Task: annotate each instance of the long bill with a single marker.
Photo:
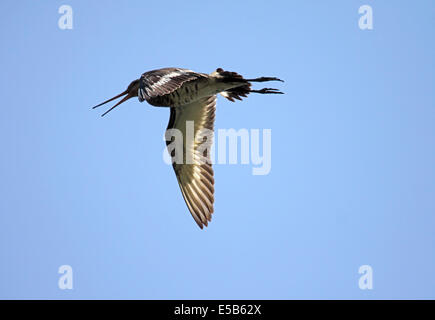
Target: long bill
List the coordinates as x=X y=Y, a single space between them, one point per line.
x=128 y=96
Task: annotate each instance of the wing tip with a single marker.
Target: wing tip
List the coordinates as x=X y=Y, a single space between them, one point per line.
x=202 y=224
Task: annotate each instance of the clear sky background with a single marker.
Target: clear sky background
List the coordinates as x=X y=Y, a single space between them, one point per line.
x=353 y=152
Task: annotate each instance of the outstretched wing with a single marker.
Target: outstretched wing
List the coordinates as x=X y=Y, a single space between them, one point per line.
x=160 y=82
x=195 y=172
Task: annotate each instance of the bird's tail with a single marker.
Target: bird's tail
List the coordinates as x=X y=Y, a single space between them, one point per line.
x=245 y=85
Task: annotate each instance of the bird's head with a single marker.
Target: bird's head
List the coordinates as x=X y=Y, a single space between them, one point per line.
x=130 y=92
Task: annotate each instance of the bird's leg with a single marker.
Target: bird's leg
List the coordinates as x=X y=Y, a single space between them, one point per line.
x=267 y=91
x=264 y=79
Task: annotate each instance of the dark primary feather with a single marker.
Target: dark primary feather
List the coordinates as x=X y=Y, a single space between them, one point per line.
x=158 y=83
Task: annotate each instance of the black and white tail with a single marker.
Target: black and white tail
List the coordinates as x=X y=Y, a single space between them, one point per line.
x=245 y=88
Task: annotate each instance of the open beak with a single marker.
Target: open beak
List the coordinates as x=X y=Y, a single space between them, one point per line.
x=128 y=96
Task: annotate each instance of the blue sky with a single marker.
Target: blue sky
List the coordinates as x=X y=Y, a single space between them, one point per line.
x=352 y=180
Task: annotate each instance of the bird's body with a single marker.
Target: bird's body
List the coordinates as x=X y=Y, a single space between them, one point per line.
x=191 y=96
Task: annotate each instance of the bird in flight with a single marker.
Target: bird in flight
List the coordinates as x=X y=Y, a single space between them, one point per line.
x=191 y=96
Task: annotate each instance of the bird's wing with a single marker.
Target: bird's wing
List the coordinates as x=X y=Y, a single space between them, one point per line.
x=164 y=81
x=195 y=173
